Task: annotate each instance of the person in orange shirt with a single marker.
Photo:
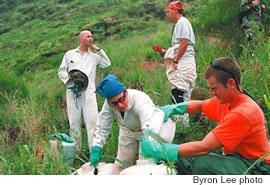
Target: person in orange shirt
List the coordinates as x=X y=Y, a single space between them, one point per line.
x=241 y=131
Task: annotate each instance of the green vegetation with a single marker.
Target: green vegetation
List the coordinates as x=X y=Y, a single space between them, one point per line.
x=34 y=35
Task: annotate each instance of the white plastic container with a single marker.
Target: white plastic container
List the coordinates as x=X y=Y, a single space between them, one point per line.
x=142 y=167
x=102 y=169
x=68 y=149
x=160 y=131
x=148 y=167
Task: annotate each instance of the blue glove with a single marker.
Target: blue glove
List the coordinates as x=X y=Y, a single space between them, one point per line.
x=76 y=90
x=175 y=109
x=95 y=155
x=164 y=151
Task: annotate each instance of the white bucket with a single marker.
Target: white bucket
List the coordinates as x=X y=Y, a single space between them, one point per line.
x=102 y=169
x=69 y=149
x=148 y=167
x=142 y=167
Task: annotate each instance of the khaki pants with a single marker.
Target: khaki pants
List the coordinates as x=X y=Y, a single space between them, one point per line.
x=128 y=144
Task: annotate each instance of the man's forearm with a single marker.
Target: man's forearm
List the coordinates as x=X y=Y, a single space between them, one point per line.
x=196 y=148
x=194 y=107
x=191 y=149
x=182 y=49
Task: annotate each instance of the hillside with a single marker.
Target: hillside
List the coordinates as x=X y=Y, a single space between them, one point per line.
x=35 y=34
x=39 y=32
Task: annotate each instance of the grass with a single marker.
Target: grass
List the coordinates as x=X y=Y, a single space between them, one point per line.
x=27 y=163
x=34 y=106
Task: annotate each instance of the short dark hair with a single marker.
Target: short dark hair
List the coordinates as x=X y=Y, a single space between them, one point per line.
x=222 y=76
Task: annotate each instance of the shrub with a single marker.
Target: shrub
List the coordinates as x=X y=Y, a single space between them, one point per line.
x=12 y=85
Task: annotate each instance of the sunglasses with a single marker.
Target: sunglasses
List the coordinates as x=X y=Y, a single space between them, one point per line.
x=119 y=100
x=217 y=66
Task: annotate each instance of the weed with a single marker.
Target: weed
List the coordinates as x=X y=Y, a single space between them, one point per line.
x=32 y=99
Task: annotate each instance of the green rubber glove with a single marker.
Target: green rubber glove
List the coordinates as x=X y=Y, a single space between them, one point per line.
x=95 y=155
x=61 y=137
x=175 y=109
x=164 y=151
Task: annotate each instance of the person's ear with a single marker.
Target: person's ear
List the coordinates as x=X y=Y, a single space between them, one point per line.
x=231 y=83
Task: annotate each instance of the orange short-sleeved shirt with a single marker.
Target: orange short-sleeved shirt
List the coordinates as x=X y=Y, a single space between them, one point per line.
x=240 y=129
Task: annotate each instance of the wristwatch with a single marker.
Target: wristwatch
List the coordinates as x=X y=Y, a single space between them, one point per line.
x=175 y=62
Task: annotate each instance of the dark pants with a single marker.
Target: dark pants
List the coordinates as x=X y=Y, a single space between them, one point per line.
x=213 y=164
x=177 y=96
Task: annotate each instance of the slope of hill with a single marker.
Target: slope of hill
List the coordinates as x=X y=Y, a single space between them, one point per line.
x=35 y=34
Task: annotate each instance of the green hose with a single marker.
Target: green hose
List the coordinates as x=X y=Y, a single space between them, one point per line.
x=256 y=163
x=114 y=158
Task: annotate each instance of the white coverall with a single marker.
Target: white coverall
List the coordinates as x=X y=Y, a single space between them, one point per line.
x=183 y=78
x=86 y=103
x=136 y=118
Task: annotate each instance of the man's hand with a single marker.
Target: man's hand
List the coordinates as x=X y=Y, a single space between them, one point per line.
x=175 y=66
x=95 y=155
x=159 y=49
x=175 y=109
x=164 y=151
x=93 y=47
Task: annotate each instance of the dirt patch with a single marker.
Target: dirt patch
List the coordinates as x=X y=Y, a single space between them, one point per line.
x=150 y=66
x=50 y=54
x=12 y=135
x=43 y=64
x=212 y=40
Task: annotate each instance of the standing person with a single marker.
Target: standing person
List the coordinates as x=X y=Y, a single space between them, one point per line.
x=241 y=131
x=181 y=70
x=133 y=110
x=78 y=72
x=251 y=12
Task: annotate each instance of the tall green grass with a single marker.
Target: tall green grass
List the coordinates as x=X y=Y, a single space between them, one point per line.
x=42 y=111
x=26 y=162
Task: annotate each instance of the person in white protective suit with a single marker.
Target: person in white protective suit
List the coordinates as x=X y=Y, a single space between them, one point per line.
x=180 y=58
x=134 y=112
x=81 y=97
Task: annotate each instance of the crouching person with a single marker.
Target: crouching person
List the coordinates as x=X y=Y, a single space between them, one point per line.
x=132 y=109
x=241 y=131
